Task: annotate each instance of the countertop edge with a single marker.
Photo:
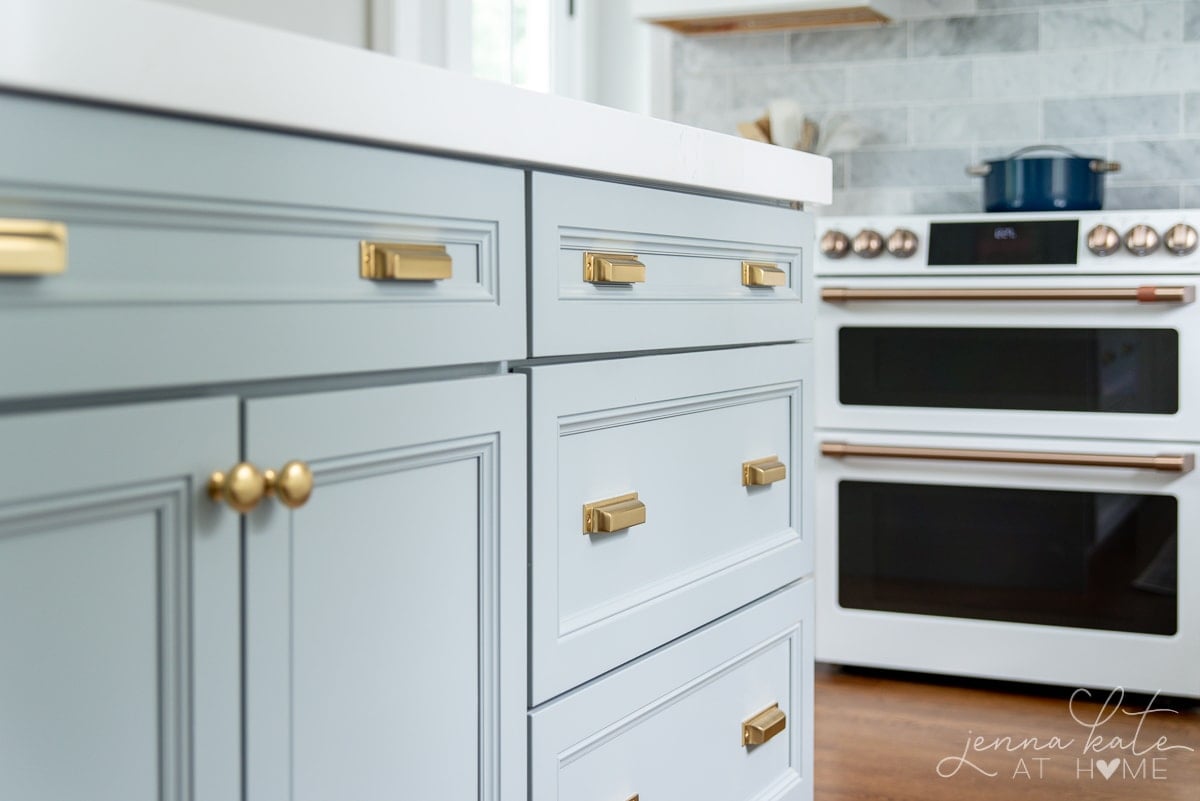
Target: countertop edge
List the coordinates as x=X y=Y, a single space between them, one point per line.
x=153 y=56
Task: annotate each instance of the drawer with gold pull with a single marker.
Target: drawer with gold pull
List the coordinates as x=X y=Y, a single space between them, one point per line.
x=723 y=713
x=666 y=493
x=259 y=256
x=619 y=268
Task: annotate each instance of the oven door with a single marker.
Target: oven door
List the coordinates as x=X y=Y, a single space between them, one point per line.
x=992 y=355
x=1063 y=561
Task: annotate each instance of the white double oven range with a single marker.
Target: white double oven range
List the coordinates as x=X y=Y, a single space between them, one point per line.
x=1008 y=414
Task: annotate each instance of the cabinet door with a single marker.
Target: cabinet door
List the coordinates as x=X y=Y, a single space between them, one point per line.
x=385 y=639
x=119 y=596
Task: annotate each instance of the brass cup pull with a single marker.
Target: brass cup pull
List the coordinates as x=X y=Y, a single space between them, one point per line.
x=393 y=261
x=32 y=247
x=244 y=486
x=763 y=726
x=613 y=514
x=613 y=268
x=763 y=471
x=759 y=273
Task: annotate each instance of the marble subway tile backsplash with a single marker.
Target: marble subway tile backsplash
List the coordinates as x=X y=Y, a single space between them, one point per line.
x=1156 y=115
x=957 y=36
x=916 y=102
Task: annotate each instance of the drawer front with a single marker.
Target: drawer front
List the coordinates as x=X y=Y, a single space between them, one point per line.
x=696 y=542
x=688 y=290
x=213 y=253
x=671 y=726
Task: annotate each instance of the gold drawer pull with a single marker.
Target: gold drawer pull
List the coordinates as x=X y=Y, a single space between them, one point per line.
x=244 y=486
x=762 y=273
x=388 y=261
x=613 y=514
x=763 y=471
x=32 y=247
x=763 y=726
x=613 y=268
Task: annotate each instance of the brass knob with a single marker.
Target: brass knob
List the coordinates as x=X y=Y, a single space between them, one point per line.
x=902 y=243
x=242 y=487
x=868 y=243
x=1103 y=240
x=835 y=244
x=1142 y=240
x=1181 y=240
x=292 y=485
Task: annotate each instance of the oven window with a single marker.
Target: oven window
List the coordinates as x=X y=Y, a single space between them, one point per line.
x=1091 y=560
x=1134 y=370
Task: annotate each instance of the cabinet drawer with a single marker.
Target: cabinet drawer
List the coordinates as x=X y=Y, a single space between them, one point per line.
x=675 y=430
x=209 y=253
x=689 y=289
x=671 y=726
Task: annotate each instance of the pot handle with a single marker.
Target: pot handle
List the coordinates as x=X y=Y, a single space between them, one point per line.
x=985 y=169
x=1099 y=165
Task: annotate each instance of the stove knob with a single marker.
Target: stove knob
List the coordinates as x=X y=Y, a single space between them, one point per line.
x=835 y=244
x=902 y=243
x=1142 y=240
x=1181 y=240
x=868 y=244
x=1103 y=240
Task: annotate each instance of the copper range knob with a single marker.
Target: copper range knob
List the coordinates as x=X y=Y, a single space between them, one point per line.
x=1103 y=240
x=835 y=244
x=1180 y=240
x=902 y=243
x=1142 y=240
x=868 y=243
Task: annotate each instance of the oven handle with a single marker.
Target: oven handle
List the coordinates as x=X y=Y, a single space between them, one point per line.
x=1141 y=294
x=1171 y=463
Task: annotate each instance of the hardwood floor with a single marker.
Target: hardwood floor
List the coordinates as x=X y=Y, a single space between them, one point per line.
x=884 y=736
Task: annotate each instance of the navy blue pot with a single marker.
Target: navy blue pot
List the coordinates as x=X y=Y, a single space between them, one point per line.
x=1068 y=182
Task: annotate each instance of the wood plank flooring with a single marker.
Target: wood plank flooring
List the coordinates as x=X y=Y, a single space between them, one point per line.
x=882 y=736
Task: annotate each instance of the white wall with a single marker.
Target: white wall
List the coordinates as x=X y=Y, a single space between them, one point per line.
x=342 y=21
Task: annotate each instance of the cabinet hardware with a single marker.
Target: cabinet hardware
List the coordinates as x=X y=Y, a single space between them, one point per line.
x=1141 y=294
x=761 y=273
x=244 y=486
x=763 y=471
x=390 y=261
x=32 y=247
x=613 y=514
x=613 y=268
x=292 y=485
x=1171 y=463
x=763 y=726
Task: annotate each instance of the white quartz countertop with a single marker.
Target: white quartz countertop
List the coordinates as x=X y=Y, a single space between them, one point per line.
x=154 y=56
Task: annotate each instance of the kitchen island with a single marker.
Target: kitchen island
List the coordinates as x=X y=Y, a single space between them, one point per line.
x=368 y=430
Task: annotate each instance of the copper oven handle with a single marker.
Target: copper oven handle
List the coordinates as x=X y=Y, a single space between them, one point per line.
x=1141 y=294
x=1172 y=463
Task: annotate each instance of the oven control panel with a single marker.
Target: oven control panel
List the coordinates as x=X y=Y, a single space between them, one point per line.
x=1157 y=241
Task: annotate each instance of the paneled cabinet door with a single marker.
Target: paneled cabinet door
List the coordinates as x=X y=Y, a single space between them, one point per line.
x=119 y=596
x=385 y=618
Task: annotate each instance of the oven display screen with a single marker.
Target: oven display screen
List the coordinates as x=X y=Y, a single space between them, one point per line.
x=961 y=244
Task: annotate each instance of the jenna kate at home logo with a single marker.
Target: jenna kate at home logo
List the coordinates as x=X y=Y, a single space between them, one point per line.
x=1093 y=751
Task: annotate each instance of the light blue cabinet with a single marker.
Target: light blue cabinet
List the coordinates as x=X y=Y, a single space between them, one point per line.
x=385 y=618
x=119 y=605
